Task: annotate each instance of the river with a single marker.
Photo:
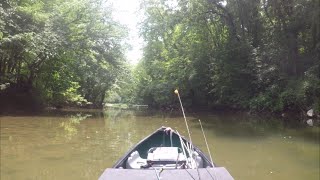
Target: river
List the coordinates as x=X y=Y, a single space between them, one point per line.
x=81 y=144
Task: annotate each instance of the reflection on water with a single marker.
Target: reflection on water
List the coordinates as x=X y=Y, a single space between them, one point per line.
x=81 y=144
x=70 y=126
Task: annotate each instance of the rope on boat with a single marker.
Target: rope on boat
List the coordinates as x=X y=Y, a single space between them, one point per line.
x=182 y=146
x=190 y=174
x=211 y=174
x=177 y=161
x=198 y=173
x=163 y=140
x=171 y=138
x=156 y=173
x=185 y=148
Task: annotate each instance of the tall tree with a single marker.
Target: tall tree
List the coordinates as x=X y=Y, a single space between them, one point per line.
x=244 y=54
x=69 y=50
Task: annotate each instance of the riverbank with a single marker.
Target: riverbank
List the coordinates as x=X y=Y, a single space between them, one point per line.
x=27 y=101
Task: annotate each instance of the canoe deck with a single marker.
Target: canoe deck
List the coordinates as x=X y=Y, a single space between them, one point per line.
x=217 y=173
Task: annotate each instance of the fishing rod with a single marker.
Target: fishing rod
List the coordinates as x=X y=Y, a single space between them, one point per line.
x=188 y=147
x=205 y=139
x=184 y=116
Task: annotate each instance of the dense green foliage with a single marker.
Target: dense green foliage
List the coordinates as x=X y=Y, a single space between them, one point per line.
x=244 y=54
x=247 y=54
x=64 y=51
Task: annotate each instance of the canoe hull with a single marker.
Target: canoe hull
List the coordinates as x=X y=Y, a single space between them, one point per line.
x=161 y=138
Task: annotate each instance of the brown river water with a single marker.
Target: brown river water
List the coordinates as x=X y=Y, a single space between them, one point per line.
x=81 y=144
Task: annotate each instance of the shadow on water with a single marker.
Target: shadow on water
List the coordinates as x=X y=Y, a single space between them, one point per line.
x=254 y=127
x=228 y=125
x=239 y=126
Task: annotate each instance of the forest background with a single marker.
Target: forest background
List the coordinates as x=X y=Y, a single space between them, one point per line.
x=256 y=55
